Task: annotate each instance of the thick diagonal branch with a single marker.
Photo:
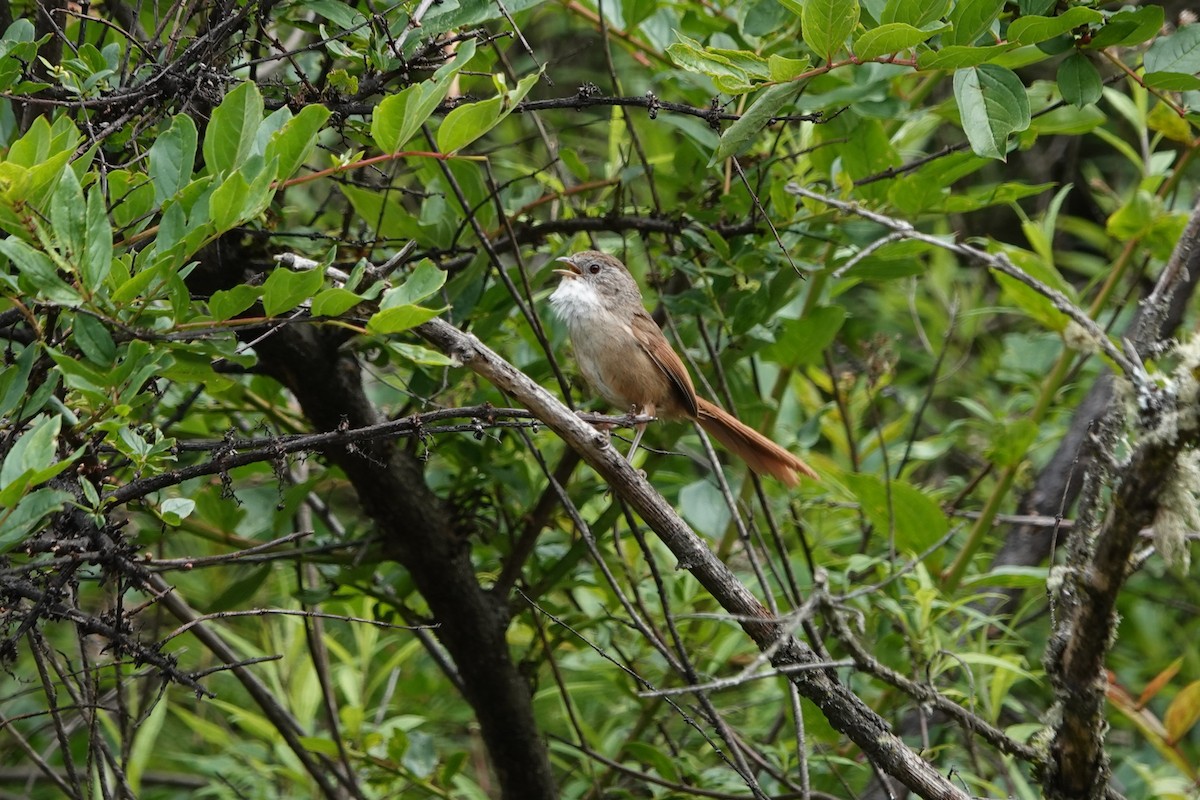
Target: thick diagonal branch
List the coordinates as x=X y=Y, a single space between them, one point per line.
x=845 y=710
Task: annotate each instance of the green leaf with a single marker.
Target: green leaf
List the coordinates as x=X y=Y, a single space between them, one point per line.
x=146 y=743
x=293 y=143
x=175 y=509
x=659 y=758
x=917 y=13
x=400 y=318
x=971 y=19
x=32 y=453
x=68 y=217
x=228 y=303
x=961 y=56
x=466 y=123
x=993 y=104
x=1009 y=578
x=786 y=69
x=825 y=25
x=334 y=302
x=423 y=282
x=1129 y=27
x=98 y=250
x=40 y=271
x=382 y=213
x=284 y=290
x=94 y=340
x=1034 y=7
x=801 y=341
x=29 y=515
x=227 y=200
x=1079 y=80
x=1172 y=81
x=739 y=135
x=401 y=115
x=421 y=355
x=172 y=156
x=1177 y=52
x=14 y=381
x=694 y=57
x=899 y=507
x=1032 y=29
x=229 y=138
x=889 y=38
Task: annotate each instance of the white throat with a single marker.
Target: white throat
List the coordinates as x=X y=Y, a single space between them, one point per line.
x=577 y=303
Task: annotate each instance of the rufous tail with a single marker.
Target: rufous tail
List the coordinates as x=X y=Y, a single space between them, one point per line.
x=760 y=453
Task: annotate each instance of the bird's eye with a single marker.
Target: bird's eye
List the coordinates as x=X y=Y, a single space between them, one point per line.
x=593 y=268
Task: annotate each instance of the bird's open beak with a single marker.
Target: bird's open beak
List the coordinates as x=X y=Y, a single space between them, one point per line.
x=572 y=272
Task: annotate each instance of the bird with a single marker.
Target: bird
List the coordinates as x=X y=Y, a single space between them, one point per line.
x=627 y=360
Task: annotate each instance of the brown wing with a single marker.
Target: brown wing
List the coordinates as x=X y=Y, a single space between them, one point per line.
x=664 y=356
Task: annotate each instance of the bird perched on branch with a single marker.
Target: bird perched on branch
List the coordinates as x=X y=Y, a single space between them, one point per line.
x=625 y=357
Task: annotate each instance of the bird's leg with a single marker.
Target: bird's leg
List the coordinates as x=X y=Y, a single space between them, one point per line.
x=635 y=410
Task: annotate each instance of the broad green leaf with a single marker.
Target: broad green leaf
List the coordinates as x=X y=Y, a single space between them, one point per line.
x=749 y=62
x=293 y=143
x=826 y=24
x=466 y=123
x=284 y=289
x=97 y=258
x=694 y=57
x=14 y=381
x=801 y=341
x=889 y=38
x=401 y=115
x=900 y=508
x=94 y=340
x=230 y=135
x=172 y=156
x=1033 y=29
x=175 y=509
x=31 y=513
x=421 y=355
x=786 y=69
x=1172 y=81
x=227 y=201
x=228 y=303
x=423 y=282
x=994 y=105
x=1034 y=7
x=961 y=56
x=34 y=451
x=400 y=318
x=1079 y=80
x=39 y=270
x=971 y=19
x=68 y=217
x=1129 y=27
x=1176 y=52
x=917 y=13
x=739 y=135
x=383 y=214
x=334 y=302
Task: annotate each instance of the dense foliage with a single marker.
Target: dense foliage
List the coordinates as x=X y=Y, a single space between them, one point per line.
x=275 y=523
